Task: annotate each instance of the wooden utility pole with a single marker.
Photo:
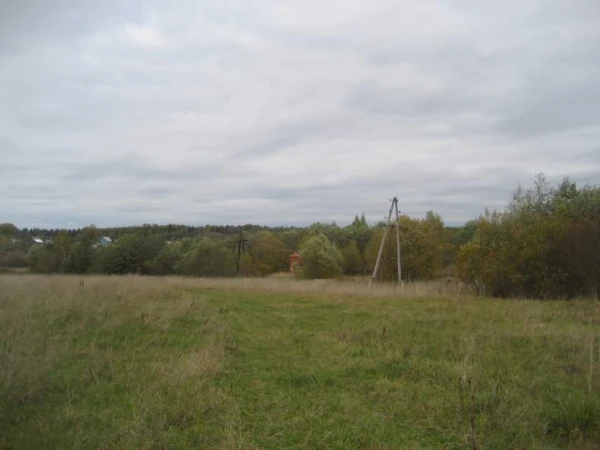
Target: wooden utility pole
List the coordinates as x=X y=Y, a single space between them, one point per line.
x=241 y=247
x=388 y=224
x=398 y=242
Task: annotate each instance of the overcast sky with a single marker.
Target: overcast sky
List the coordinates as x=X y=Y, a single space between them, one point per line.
x=289 y=112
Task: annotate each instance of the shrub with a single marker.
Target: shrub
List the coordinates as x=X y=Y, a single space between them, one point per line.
x=320 y=258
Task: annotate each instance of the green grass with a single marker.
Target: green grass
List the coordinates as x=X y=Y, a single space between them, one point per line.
x=165 y=363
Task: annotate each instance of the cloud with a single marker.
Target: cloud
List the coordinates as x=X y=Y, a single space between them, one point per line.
x=144 y=36
x=119 y=113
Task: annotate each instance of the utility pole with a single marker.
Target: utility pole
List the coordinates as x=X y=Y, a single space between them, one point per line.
x=398 y=242
x=241 y=247
x=393 y=207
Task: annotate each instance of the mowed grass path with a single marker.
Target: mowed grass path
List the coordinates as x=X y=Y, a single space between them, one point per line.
x=164 y=363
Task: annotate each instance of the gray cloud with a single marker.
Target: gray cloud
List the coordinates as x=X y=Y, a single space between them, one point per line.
x=119 y=113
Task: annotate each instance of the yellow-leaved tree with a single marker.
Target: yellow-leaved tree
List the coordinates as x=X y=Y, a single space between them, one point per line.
x=422 y=249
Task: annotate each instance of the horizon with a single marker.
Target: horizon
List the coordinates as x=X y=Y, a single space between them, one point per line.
x=341 y=225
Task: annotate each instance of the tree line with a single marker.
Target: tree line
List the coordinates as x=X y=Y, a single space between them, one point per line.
x=327 y=250
x=545 y=244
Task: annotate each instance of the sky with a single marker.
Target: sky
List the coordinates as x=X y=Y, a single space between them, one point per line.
x=288 y=112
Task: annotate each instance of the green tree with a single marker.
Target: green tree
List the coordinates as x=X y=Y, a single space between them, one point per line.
x=62 y=247
x=208 y=258
x=353 y=262
x=82 y=252
x=320 y=258
x=5 y=244
x=16 y=259
x=292 y=238
x=388 y=267
x=132 y=253
x=466 y=233
x=269 y=253
x=169 y=260
x=42 y=260
x=247 y=266
x=8 y=229
x=580 y=245
x=422 y=249
x=360 y=232
x=544 y=245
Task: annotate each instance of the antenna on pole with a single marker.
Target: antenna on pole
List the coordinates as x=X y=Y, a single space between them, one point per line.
x=388 y=224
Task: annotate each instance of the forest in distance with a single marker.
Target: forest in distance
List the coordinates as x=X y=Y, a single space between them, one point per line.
x=544 y=244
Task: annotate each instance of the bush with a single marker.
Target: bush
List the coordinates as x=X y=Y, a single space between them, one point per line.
x=320 y=258
x=15 y=259
x=545 y=245
x=43 y=260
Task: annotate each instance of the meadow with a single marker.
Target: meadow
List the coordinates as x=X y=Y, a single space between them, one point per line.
x=123 y=362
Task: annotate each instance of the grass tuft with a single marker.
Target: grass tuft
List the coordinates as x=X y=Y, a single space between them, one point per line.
x=574 y=417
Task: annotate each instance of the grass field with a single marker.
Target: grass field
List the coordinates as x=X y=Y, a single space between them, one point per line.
x=157 y=363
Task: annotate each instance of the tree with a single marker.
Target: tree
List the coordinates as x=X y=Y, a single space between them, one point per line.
x=62 y=247
x=353 y=262
x=360 y=232
x=580 y=244
x=8 y=229
x=207 y=257
x=11 y=253
x=292 y=238
x=269 y=253
x=133 y=253
x=82 y=252
x=422 y=249
x=388 y=266
x=42 y=260
x=168 y=260
x=13 y=258
x=247 y=268
x=544 y=245
x=320 y=258
x=466 y=233
x=5 y=243
x=360 y=222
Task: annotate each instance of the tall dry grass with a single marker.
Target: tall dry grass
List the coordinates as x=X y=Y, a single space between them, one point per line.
x=346 y=287
x=134 y=356
x=357 y=287
x=141 y=362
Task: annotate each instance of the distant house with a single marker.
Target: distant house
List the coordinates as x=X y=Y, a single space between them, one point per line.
x=37 y=240
x=294 y=260
x=104 y=241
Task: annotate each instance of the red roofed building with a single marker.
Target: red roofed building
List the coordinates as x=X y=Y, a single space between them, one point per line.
x=294 y=260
